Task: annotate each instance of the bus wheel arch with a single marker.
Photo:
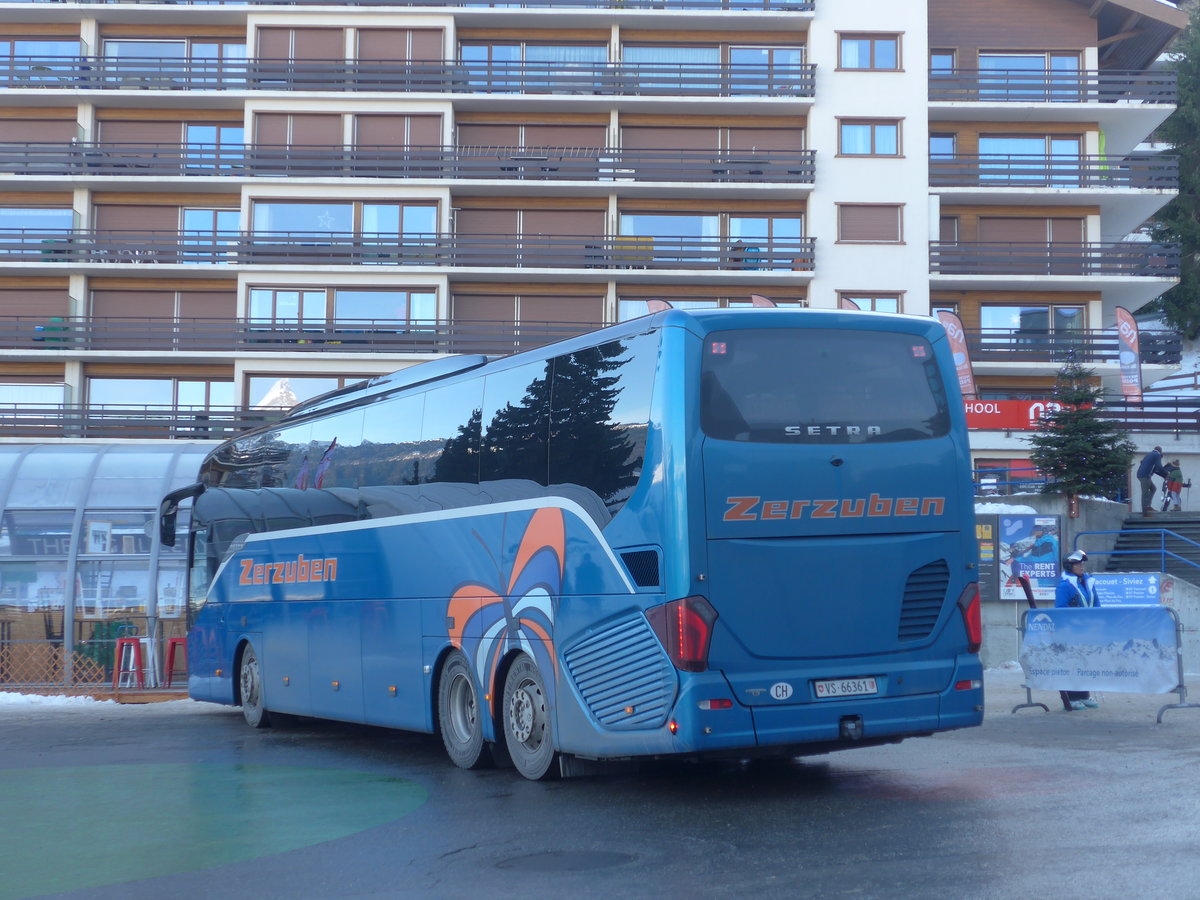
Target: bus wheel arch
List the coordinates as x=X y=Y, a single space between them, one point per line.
x=460 y=712
x=248 y=687
x=526 y=718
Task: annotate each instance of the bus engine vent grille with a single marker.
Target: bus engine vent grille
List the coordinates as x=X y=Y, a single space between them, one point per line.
x=924 y=597
x=642 y=566
x=623 y=675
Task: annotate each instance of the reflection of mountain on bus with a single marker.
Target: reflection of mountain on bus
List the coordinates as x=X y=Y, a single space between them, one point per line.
x=722 y=532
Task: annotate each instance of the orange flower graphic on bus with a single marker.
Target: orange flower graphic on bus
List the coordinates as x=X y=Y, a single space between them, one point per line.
x=518 y=613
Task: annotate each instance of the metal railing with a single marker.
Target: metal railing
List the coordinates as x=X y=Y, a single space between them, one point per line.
x=79 y=421
x=466 y=250
x=1051 y=86
x=493 y=77
x=1128 y=258
x=496 y=162
x=1033 y=344
x=106 y=334
x=737 y=5
x=1006 y=171
x=1164 y=535
x=1176 y=416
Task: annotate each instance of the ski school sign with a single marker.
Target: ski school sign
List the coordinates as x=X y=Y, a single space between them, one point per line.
x=1008 y=415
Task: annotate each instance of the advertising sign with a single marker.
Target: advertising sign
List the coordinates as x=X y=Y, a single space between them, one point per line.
x=1009 y=415
x=958 y=347
x=1130 y=649
x=1029 y=545
x=987 y=528
x=1128 y=588
x=1131 y=359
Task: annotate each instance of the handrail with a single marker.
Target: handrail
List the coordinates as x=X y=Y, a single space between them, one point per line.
x=1053 y=86
x=775 y=80
x=1000 y=170
x=1067 y=258
x=1163 y=534
x=240 y=160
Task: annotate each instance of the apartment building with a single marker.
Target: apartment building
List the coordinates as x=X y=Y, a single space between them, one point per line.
x=212 y=210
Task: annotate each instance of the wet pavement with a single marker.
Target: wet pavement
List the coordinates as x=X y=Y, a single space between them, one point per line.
x=182 y=800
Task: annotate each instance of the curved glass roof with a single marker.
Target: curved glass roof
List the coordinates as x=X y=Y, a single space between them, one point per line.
x=109 y=476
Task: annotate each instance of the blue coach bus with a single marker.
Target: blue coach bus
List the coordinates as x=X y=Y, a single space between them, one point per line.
x=728 y=532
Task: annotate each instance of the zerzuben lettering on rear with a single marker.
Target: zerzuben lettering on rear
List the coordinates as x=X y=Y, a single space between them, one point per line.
x=753 y=509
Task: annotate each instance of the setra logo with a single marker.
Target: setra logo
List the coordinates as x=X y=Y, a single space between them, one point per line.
x=294 y=571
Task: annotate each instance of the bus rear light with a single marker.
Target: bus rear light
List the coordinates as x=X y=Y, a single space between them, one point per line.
x=968 y=605
x=968 y=684
x=684 y=627
x=719 y=703
x=672 y=726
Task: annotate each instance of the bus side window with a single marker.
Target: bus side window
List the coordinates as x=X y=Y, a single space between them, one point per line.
x=600 y=411
x=201 y=567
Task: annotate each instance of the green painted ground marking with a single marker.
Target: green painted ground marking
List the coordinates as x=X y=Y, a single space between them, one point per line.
x=87 y=826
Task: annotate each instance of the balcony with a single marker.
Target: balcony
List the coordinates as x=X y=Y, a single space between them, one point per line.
x=96 y=73
x=1147 y=171
x=121 y=335
x=1131 y=258
x=1028 y=345
x=500 y=163
x=1022 y=86
x=19 y=245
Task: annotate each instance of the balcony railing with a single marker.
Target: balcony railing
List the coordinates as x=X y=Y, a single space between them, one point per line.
x=604 y=79
x=75 y=420
x=1130 y=258
x=737 y=5
x=466 y=250
x=116 y=334
x=1003 y=171
x=522 y=163
x=1042 y=345
x=1177 y=416
x=1085 y=86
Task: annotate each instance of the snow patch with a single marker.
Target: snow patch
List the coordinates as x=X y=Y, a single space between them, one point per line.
x=11 y=698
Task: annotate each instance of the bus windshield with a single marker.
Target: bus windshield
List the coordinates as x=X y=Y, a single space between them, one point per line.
x=820 y=387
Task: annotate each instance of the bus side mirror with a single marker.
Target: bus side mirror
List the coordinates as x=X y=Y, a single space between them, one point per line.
x=168 y=510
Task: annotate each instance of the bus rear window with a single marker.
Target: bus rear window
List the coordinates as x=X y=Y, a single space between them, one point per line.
x=811 y=386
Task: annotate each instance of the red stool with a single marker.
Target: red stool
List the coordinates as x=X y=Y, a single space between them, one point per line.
x=169 y=668
x=134 y=656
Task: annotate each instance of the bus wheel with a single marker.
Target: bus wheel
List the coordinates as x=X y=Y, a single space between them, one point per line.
x=459 y=714
x=527 y=720
x=250 y=682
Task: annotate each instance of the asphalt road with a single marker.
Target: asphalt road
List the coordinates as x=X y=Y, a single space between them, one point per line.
x=181 y=800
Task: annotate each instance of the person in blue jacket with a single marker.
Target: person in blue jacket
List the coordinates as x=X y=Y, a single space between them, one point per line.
x=1151 y=464
x=1076 y=588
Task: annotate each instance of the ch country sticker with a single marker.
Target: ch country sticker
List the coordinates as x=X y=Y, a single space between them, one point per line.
x=755 y=509
x=292 y=571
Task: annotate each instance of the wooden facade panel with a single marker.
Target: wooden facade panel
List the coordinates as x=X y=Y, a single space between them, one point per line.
x=208 y=304
x=484 y=308
x=160 y=370
x=969 y=26
x=133 y=304
x=401 y=44
x=566 y=308
x=137 y=218
x=56 y=131
x=394 y=130
x=142 y=132
x=551 y=222
x=969 y=302
x=47 y=302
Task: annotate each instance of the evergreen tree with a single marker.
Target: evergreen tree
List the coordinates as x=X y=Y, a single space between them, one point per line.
x=1078 y=451
x=1179 y=221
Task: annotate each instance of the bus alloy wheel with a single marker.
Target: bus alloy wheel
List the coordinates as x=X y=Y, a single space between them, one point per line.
x=527 y=720
x=250 y=684
x=459 y=717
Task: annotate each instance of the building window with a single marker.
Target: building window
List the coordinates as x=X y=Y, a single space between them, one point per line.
x=879 y=52
x=32 y=60
x=869 y=301
x=941 y=62
x=942 y=146
x=1033 y=325
x=387 y=308
x=282 y=391
x=1029 y=76
x=167 y=393
x=215 y=146
x=865 y=137
x=870 y=223
x=1030 y=159
x=345 y=218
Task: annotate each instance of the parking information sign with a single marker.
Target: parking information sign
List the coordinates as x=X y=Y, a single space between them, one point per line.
x=1128 y=588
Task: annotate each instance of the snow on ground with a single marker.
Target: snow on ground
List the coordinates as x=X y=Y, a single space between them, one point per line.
x=11 y=698
x=1002 y=509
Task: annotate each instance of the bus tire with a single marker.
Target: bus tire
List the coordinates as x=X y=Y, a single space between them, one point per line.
x=460 y=716
x=250 y=690
x=526 y=716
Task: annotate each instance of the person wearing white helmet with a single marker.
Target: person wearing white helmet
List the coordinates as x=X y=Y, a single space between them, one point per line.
x=1076 y=588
